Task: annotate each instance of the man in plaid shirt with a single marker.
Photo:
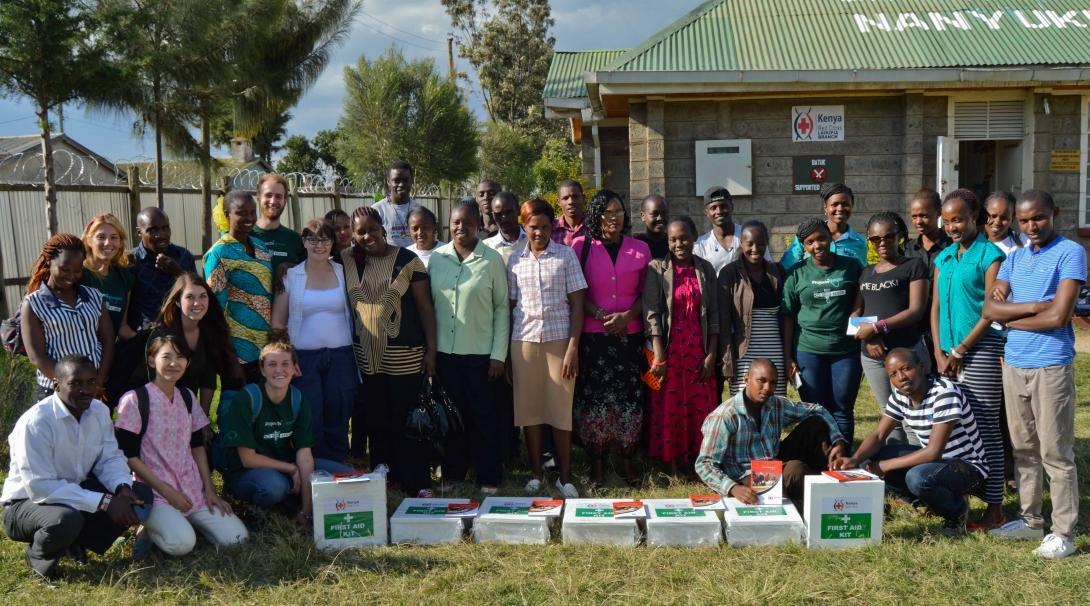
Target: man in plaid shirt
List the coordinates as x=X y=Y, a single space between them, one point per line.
x=748 y=426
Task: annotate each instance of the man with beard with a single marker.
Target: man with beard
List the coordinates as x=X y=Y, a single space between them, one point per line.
x=722 y=245
x=70 y=487
x=284 y=243
x=396 y=206
x=158 y=263
x=484 y=195
x=655 y=215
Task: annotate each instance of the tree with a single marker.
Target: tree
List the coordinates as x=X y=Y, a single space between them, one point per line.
x=300 y=156
x=559 y=161
x=51 y=52
x=400 y=110
x=509 y=47
x=266 y=140
x=508 y=157
x=325 y=144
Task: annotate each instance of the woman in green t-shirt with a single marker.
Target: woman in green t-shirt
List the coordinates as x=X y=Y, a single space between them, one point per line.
x=106 y=267
x=818 y=296
x=269 y=455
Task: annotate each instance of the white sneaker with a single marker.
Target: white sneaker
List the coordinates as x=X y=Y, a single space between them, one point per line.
x=489 y=491
x=1054 y=547
x=547 y=460
x=381 y=469
x=1017 y=530
x=568 y=490
x=533 y=486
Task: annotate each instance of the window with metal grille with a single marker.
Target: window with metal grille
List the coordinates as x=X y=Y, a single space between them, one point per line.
x=977 y=120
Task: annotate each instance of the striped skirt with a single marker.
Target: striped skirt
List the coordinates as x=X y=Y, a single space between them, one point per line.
x=765 y=341
x=982 y=383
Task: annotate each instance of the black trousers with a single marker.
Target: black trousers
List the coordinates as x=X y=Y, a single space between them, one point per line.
x=52 y=529
x=804 y=452
x=465 y=379
x=386 y=407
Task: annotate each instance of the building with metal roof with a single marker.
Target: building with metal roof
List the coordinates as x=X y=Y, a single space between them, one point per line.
x=773 y=97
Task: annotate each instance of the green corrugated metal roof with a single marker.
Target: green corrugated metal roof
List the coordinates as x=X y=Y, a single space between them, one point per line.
x=726 y=35
x=565 y=79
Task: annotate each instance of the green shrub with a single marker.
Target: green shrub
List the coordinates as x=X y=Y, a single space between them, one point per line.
x=16 y=392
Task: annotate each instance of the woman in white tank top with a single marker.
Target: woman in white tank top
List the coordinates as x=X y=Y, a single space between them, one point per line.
x=313 y=307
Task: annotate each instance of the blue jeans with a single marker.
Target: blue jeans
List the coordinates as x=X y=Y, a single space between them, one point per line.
x=329 y=383
x=941 y=485
x=266 y=487
x=833 y=382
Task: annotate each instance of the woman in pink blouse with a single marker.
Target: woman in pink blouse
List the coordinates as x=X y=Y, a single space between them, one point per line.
x=166 y=450
x=608 y=406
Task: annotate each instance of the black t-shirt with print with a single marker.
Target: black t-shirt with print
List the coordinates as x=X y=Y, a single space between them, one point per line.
x=886 y=294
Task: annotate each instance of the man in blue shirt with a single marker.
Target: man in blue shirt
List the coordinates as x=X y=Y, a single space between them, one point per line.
x=1043 y=281
x=158 y=263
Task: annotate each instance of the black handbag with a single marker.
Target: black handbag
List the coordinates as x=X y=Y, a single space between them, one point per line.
x=434 y=417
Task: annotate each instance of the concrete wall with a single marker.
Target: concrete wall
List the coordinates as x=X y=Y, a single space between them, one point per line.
x=889 y=152
x=1056 y=130
x=615 y=168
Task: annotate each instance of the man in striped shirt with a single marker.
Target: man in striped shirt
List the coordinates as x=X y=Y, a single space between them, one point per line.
x=950 y=462
x=749 y=425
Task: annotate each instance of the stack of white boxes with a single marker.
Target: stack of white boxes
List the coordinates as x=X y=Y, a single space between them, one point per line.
x=763 y=524
x=843 y=514
x=349 y=511
x=591 y=522
x=508 y=520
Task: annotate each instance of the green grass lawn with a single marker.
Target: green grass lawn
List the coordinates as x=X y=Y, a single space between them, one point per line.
x=279 y=565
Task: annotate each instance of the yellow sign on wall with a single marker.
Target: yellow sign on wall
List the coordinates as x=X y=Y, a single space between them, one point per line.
x=1064 y=161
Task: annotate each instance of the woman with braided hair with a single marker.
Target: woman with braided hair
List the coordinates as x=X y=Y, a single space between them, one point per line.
x=61 y=317
x=818 y=296
x=894 y=291
x=389 y=299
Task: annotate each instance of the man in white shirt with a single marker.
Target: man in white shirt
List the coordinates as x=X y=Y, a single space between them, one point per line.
x=721 y=245
x=396 y=206
x=69 y=487
x=510 y=237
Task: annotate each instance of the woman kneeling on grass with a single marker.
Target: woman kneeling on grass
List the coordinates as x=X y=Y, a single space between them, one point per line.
x=174 y=463
x=267 y=433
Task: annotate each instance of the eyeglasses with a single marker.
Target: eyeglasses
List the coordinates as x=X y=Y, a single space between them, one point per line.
x=314 y=241
x=879 y=239
x=613 y=214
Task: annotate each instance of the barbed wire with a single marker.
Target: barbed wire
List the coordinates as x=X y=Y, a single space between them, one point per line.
x=69 y=168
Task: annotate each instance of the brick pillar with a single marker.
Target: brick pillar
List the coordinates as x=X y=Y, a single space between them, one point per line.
x=638 y=173
x=912 y=159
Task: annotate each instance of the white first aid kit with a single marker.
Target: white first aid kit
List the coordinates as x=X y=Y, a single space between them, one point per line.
x=349 y=510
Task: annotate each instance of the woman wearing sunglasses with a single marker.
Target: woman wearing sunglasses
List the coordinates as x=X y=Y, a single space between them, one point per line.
x=893 y=291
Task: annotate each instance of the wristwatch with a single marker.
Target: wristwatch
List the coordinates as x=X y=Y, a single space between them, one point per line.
x=104 y=504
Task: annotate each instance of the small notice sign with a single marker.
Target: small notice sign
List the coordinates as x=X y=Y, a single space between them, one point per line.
x=1064 y=161
x=817 y=123
x=811 y=172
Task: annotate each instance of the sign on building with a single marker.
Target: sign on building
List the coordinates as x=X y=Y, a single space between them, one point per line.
x=817 y=123
x=811 y=172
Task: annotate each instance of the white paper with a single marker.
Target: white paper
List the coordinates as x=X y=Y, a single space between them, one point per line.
x=854 y=323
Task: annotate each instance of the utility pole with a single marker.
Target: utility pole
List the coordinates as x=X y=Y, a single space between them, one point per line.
x=450 y=59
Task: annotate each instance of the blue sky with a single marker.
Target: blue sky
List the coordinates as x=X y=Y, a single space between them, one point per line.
x=419 y=27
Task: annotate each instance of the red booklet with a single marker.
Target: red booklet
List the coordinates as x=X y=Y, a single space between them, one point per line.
x=705 y=500
x=546 y=507
x=462 y=510
x=766 y=479
x=850 y=475
x=628 y=509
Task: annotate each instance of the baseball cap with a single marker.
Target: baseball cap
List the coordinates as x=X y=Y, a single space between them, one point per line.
x=716 y=193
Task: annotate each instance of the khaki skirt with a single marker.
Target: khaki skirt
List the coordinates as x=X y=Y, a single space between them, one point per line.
x=542 y=395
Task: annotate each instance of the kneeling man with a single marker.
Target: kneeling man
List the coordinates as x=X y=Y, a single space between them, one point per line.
x=950 y=462
x=69 y=487
x=748 y=426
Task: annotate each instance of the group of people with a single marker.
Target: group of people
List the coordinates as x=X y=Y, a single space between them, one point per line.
x=321 y=342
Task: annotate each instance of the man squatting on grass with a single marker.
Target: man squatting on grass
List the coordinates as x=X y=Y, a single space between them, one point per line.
x=748 y=426
x=950 y=461
x=69 y=487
